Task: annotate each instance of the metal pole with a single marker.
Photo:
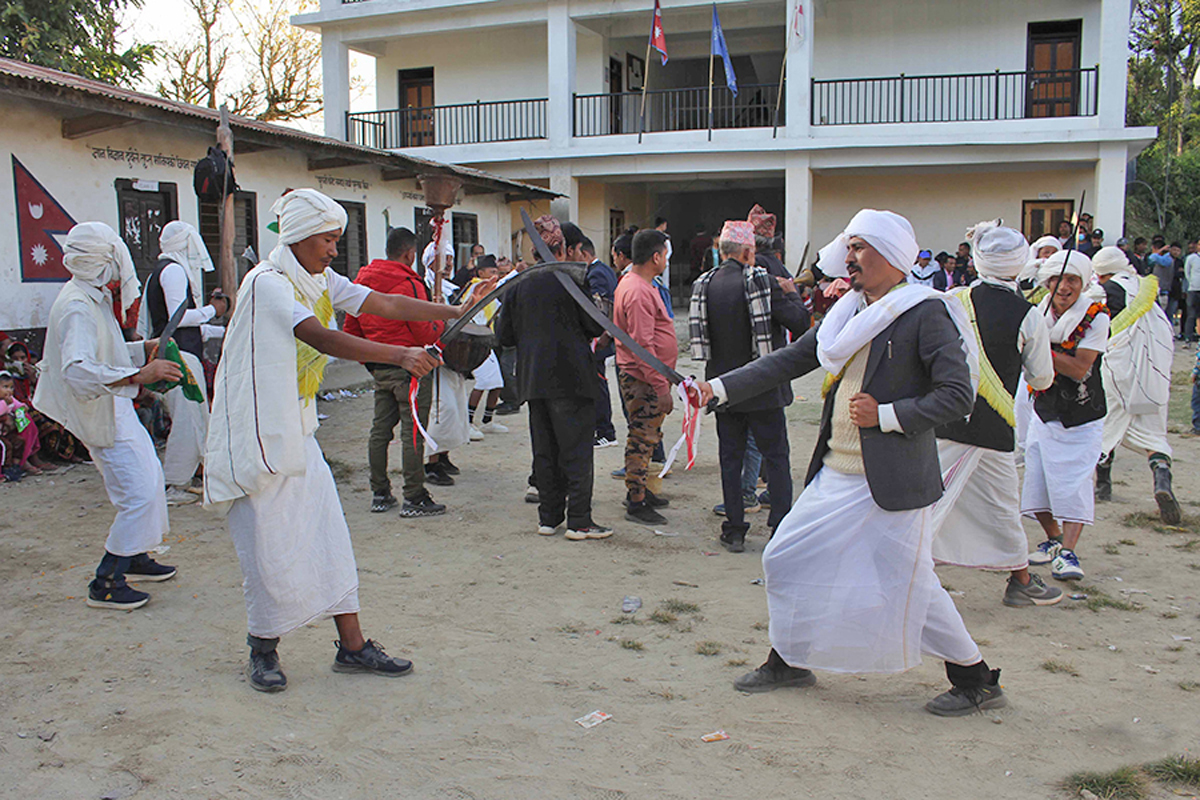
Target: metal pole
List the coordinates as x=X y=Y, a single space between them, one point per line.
x=711 y=58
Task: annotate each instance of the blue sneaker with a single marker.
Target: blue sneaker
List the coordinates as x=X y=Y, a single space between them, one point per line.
x=750 y=505
x=619 y=474
x=1065 y=566
x=1045 y=552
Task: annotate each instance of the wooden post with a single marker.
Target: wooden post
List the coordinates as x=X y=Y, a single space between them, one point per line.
x=645 y=83
x=227 y=267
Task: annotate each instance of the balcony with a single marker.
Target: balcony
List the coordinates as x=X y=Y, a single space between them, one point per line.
x=676 y=110
x=462 y=123
x=978 y=97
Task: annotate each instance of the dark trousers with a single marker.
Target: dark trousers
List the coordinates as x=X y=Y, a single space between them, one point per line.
x=561 y=431
x=391 y=407
x=508 y=371
x=770 y=436
x=1187 y=328
x=604 y=423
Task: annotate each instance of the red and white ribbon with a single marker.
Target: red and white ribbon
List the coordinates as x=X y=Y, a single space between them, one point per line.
x=414 y=384
x=691 y=427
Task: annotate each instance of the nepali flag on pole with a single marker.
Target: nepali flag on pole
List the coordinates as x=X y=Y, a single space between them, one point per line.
x=658 y=40
x=796 y=33
x=720 y=49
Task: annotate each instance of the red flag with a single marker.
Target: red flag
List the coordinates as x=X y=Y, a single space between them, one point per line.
x=658 y=40
x=41 y=225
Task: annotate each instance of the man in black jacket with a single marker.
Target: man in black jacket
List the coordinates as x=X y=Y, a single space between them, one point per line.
x=850 y=579
x=730 y=305
x=557 y=378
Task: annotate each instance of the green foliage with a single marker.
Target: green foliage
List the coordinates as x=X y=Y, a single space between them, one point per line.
x=1125 y=783
x=78 y=36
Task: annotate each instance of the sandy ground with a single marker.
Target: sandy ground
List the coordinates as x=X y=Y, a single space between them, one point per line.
x=516 y=635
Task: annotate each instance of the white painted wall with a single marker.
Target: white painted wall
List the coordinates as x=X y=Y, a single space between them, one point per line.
x=84 y=185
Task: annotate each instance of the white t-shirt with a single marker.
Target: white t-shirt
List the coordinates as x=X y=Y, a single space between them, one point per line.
x=1096 y=336
x=343 y=294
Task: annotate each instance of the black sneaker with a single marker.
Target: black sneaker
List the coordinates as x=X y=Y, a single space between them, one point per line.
x=370 y=659
x=504 y=409
x=423 y=506
x=766 y=679
x=448 y=466
x=643 y=514
x=106 y=593
x=734 y=543
x=143 y=568
x=959 y=702
x=264 y=673
x=436 y=476
x=383 y=502
x=652 y=500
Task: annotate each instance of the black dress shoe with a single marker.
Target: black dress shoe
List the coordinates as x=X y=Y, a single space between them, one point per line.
x=437 y=476
x=447 y=466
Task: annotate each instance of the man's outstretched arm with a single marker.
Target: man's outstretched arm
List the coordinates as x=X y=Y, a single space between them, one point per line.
x=762 y=374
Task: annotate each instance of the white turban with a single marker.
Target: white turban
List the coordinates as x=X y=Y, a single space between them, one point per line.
x=306 y=212
x=1045 y=241
x=1108 y=260
x=429 y=254
x=889 y=233
x=95 y=255
x=999 y=252
x=1079 y=264
x=181 y=243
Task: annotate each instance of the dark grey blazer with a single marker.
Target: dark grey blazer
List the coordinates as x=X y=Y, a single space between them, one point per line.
x=918 y=365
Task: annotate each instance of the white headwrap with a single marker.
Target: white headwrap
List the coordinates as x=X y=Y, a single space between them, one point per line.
x=181 y=243
x=428 y=255
x=1108 y=260
x=1078 y=264
x=95 y=255
x=306 y=212
x=889 y=233
x=999 y=252
x=1045 y=241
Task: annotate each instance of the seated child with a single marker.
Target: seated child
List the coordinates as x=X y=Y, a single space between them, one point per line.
x=23 y=432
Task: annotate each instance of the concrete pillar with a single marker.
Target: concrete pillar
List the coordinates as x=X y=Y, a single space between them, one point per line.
x=1114 y=54
x=565 y=209
x=797 y=198
x=335 y=84
x=560 y=63
x=1110 y=190
x=797 y=94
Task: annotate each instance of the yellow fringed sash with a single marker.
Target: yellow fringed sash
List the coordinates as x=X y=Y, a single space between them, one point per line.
x=310 y=363
x=991 y=388
x=1145 y=300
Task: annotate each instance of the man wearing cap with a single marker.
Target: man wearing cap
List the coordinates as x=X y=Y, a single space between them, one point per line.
x=739 y=313
x=850 y=579
x=1137 y=377
x=264 y=467
x=928 y=272
x=977 y=523
x=1093 y=242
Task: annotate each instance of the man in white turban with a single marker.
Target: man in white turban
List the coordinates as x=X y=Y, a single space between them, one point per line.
x=178 y=279
x=1137 y=377
x=263 y=466
x=90 y=376
x=1066 y=428
x=977 y=522
x=850 y=579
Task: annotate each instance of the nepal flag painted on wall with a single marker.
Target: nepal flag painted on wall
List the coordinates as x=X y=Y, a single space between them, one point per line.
x=42 y=226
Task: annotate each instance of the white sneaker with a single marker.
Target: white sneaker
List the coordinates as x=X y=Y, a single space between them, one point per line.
x=494 y=427
x=476 y=435
x=602 y=442
x=546 y=530
x=1045 y=552
x=532 y=496
x=1065 y=566
x=180 y=497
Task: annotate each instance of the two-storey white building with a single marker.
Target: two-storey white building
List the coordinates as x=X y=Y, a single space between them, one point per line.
x=948 y=111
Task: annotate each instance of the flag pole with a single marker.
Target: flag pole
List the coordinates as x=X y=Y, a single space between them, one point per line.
x=779 y=96
x=645 y=83
x=711 y=58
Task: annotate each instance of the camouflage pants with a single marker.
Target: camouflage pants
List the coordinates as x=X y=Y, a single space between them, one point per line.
x=646 y=413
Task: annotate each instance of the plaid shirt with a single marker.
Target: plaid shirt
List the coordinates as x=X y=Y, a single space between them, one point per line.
x=758 y=295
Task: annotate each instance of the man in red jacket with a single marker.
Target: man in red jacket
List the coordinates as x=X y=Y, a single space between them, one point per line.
x=395 y=275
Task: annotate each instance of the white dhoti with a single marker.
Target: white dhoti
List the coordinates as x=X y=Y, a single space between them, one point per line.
x=977 y=523
x=1143 y=433
x=133 y=479
x=449 y=422
x=189 y=429
x=1060 y=466
x=488 y=376
x=851 y=587
x=1022 y=411
x=294 y=548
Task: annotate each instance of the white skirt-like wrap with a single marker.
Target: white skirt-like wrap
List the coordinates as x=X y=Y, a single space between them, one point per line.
x=977 y=523
x=133 y=480
x=1060 y=466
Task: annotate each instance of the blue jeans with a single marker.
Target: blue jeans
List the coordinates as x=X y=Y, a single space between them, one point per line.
x=1196 y=407
x=751 y=466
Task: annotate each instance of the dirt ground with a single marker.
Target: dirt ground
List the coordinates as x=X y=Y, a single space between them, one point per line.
x=515 y=636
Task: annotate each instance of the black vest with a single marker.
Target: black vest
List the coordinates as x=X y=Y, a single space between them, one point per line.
x=1071 y=402
x=999 y=313
x=189 y=338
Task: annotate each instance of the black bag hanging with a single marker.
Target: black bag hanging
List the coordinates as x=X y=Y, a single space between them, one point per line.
x=209 y=177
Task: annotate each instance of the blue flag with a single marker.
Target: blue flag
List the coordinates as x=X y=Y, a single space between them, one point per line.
x=719 y=49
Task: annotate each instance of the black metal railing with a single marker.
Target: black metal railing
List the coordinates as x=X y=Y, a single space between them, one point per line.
x=676 y=110
x=462 y=123
x=975 y=97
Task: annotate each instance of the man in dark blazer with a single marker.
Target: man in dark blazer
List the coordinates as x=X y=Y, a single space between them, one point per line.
x=731 y=340
x=602 y=283
x=557 y=378
x=850 y=579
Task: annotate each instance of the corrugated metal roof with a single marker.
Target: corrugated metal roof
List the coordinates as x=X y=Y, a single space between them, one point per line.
x=14 y=73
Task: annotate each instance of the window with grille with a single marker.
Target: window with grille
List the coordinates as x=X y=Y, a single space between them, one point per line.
x=466 y=236
x=245 y=234
x=352 y=247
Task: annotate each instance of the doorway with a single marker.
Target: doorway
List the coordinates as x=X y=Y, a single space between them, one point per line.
x=144 y=208
x=1052 y=69
x=416 y=105
x=616 y=85
x=1040 y=217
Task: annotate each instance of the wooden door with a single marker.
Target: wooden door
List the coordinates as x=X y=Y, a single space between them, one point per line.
x=145 y=207
x=416 y=101
x=1052 y=69
x=1040 y=217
